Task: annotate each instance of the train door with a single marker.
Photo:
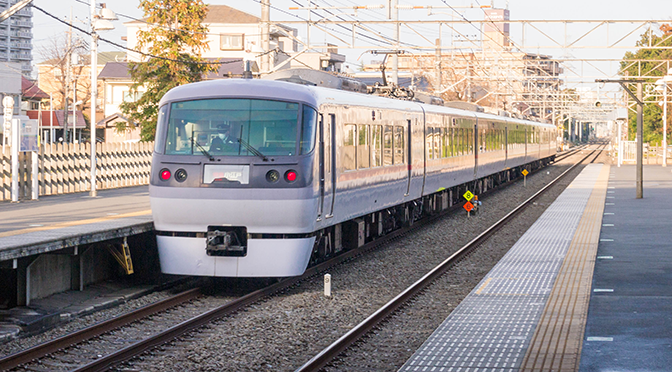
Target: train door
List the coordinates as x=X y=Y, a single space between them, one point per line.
x=506 y=146
x=329 y=137
x=526 y=144
x=409 y=158
x=322 y=156
x=475 y=143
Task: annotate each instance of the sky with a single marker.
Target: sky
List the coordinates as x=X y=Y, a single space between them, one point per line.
x=45 y=28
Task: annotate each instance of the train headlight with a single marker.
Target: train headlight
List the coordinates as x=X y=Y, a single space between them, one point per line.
x=164 y=174
x=290 y=176
x=180 y=175
x=272 y=176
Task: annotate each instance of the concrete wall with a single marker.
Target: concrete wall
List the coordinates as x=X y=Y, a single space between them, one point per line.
x=50 y=274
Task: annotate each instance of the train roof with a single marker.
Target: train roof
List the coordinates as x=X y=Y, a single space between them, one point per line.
x=312 y=95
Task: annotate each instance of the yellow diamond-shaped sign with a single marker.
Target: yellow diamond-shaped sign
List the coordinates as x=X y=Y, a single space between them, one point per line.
x=525 y=172
x=468 y=195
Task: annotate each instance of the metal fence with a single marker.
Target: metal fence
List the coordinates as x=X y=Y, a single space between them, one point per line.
x=652 y=154
x=65 y=168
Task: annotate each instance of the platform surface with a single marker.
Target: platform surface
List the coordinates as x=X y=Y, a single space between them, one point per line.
x=629 y=324
x=60 y=221
x=531 y=294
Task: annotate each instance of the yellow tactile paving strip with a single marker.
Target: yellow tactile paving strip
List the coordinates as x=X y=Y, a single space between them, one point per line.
x=556 y=344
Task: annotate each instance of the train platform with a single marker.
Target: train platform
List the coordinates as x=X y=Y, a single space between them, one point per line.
x=63 y=221
x=586 y=288
x=48 y=271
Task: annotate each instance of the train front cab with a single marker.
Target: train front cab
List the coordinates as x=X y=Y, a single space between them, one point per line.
x=232 y=189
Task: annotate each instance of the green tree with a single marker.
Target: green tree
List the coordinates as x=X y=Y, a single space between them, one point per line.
x=176 y=39
x=652 y=114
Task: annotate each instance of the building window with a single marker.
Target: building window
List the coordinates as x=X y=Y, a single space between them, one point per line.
x=231 y=41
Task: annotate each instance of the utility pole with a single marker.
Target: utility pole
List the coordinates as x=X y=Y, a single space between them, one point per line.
x=68 y=61
x=437 y=65
x=265 y=34
x=639 y=173
x=640 y=142
x=393 y=11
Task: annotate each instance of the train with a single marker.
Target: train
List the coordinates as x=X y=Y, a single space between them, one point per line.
x=260 y=178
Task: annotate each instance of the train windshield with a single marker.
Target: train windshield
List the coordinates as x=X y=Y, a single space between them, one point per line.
x=239 y=127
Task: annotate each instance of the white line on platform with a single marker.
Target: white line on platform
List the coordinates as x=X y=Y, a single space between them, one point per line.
x=609 y=204
x=608 y=213
x=605 y=290
x=607 y=224
x=607 y=339
x=605 y=257
x=606 y=240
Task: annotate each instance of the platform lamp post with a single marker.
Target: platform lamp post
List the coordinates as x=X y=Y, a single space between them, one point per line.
x=99 y=22
x=663 y=85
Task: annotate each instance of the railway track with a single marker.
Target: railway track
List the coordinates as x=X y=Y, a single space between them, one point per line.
x=327 y=355
x=100 y=362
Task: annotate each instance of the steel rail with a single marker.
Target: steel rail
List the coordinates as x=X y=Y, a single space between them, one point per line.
x=41 y=350
x=328 y=354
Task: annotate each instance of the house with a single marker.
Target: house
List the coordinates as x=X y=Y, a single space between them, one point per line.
x=52 y=77
x=231 y=34
x=51 y=124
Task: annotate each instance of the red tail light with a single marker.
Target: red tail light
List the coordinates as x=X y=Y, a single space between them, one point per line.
x=290 y=176
x=164 y=174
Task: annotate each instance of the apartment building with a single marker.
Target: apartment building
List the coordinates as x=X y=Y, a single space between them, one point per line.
x=16 y=37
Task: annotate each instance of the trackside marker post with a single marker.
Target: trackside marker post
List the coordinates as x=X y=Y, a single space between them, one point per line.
x=468 y=206
x=327 y=285
x=525 y=173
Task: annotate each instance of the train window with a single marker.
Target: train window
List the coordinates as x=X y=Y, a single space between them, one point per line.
x=429 y=140
x=470 y=141
x=444 y=143
x=161 y=123
x=376 y=145
x=483 y=146
x=363 y=146
x=399 y=145
x=308 y=128
x=233 y=127
x=448 y=144
x=349 y=147
x=387 y=145
x=458 y=141
x=437 y=143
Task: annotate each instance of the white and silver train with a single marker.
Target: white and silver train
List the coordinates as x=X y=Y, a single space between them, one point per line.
x=257 y=178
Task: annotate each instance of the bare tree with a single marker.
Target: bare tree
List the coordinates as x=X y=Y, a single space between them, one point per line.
x=66 y=68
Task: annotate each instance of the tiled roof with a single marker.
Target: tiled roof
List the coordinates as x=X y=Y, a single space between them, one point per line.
x=119 y=70
x=115 y=70
x=30 y=90
x=220 y=14
x=57 y=118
